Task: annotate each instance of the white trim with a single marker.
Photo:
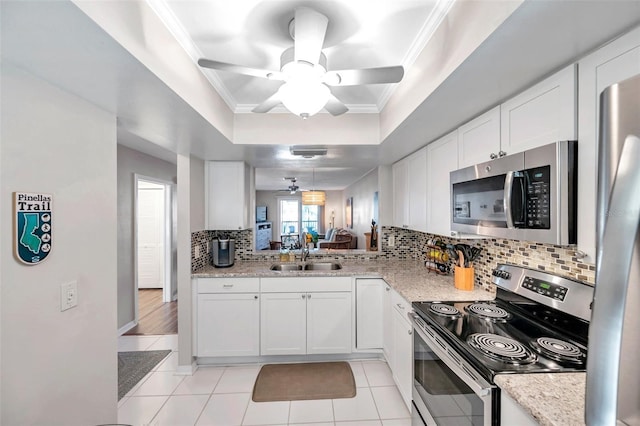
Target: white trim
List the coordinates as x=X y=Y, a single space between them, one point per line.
x=168 y=246
x=186 y=370
x=128 y=326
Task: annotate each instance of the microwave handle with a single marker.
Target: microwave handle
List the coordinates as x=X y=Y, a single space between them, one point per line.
x=508 y=191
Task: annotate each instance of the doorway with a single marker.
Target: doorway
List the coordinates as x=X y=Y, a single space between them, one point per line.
x=154 y=243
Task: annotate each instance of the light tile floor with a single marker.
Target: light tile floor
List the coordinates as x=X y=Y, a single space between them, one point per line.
x=221 y=396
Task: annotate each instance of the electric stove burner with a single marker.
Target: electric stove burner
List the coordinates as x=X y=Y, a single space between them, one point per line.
x=488 y=311
x=444 y=310
x=559 y=350
x=500 y=348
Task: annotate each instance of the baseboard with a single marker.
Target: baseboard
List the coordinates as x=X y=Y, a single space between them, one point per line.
x=186 y=370
x=275 y=359
x=128 y=326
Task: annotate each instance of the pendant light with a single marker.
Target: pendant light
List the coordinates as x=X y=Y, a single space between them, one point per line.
x=313 y=198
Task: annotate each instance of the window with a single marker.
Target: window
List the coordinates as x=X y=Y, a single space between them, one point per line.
x=295 y=219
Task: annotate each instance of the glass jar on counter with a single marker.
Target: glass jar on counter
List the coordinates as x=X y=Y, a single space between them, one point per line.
x=284 y=254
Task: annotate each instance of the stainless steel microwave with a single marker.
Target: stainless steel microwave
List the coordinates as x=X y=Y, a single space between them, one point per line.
x=530 y=196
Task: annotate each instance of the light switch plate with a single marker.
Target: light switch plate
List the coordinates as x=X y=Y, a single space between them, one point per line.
x=392 y=240
x=68 y=295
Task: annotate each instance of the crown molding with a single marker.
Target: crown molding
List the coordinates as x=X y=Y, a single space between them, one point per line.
x=280 y=109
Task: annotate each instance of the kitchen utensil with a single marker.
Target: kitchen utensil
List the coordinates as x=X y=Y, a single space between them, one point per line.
x=461 y=258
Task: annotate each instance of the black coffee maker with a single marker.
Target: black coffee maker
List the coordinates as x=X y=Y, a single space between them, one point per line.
x=223 y=252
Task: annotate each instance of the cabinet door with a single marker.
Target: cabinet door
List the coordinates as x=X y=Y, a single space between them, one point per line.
x=442 y=158
x=540 y=115
x=403 y=358
x=226 y=207
x=387 y=329
x=479 y=138
x=611 y=64
x=228 y=325
x=329 y=323
x=400 y=171
x=283 y=323
x=417 y=190
x=369 y=317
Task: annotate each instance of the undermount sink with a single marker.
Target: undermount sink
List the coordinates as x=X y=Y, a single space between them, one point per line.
x=322 y=266
x=286 y=267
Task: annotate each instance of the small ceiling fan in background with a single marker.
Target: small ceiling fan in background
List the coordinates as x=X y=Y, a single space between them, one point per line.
x=293 y=188
x=303 y=68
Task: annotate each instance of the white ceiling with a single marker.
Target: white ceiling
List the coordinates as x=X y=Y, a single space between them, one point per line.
x=254 y=33
x=60 y=43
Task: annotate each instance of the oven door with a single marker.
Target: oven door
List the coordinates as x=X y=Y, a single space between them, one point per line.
x=447 y=390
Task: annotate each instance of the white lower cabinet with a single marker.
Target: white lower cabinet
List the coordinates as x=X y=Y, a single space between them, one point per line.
x=308 y=321
x=387 y=326
x=283 y=320
x=369 y=318
x=398 y=342
x=228 y=324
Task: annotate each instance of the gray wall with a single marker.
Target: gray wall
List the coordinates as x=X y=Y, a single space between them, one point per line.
x=58 y=368
x=362 y=192
x=132 y=162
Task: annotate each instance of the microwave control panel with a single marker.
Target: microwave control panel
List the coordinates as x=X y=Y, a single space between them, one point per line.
x=538 y=197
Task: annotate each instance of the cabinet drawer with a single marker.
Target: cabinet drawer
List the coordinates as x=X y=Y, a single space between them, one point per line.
x=301 y=284
x=228 y=285
x=400 y=305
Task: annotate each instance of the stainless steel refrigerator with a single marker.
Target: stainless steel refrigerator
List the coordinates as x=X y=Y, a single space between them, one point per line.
x=613 y=364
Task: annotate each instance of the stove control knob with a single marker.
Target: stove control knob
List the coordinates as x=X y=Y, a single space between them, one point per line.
x=501 y=274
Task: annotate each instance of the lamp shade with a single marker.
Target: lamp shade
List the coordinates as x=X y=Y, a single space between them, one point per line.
x=313 y=198
x=304 y=99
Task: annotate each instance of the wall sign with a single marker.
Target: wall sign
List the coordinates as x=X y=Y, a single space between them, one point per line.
x=32 y=225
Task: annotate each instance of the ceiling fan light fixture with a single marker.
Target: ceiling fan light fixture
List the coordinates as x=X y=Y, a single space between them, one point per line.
x=304 y=99
x=313 y=198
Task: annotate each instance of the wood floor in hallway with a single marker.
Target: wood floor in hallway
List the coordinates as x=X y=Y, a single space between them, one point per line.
x=155 y=316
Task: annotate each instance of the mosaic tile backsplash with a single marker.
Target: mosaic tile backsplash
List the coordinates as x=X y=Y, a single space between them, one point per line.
x=411 y=245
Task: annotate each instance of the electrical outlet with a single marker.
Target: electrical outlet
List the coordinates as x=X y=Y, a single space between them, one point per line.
x=68 y=295
x=392 y=240
x=197 y=251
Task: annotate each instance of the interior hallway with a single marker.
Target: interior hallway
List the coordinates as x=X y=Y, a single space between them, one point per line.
x=155 y=316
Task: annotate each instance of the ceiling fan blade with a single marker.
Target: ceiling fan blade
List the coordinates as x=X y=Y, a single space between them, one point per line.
x=309 y=30
x=268 y=104
x=380 y=75
x=239 y=69
x=335 y=106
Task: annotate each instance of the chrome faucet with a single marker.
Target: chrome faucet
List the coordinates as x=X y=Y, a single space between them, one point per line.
x=304 y=253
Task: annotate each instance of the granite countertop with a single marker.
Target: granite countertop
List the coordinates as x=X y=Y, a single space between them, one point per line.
x=552 y=399
x=409 y=278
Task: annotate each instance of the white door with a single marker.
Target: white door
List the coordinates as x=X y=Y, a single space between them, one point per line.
x=329 y=323
x=151 y=224
x=228 y=324
x=283 y=324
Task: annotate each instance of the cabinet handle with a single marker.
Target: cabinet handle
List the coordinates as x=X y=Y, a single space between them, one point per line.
x=227 y=285
x=304 y=296
x=400 y=306
x=255 y=297
x=388 y=288
x=409 y=331
x=502 y=153
x=308 y=296
x=493 y=156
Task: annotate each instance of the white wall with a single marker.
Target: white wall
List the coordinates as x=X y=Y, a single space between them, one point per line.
x=362 y=192
x=58 y=368
x=197 y=194
x=132 y=162
x=335 y=202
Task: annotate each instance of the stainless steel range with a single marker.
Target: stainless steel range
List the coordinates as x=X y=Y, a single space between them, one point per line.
x=537 y=323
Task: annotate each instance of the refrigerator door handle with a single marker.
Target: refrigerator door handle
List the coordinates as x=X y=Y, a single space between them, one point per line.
x=614 y=263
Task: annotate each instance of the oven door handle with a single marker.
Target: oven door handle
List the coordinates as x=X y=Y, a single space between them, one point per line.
x=478 y=385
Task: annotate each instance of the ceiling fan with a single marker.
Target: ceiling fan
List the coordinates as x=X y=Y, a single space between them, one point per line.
x=303 y=68
x=293 y=188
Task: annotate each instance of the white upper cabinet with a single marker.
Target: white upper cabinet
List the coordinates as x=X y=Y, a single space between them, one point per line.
x=227 y=195
x=542 y=114
x=442 y=158
x=617 y=61
x=410 y=191
x=479 y=139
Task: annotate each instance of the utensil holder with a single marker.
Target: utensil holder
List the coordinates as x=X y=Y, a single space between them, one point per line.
x=463 y=278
